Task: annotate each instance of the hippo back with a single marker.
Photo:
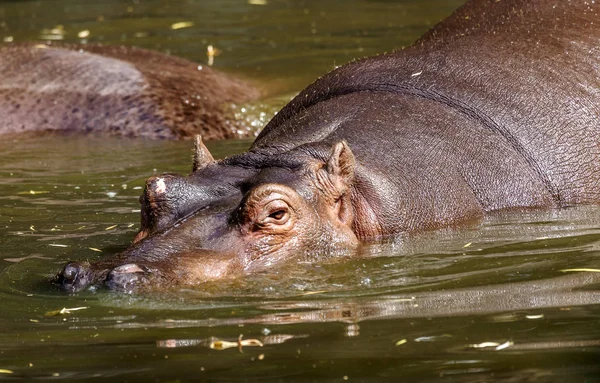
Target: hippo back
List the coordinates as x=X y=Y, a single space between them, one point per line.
x=512 y=87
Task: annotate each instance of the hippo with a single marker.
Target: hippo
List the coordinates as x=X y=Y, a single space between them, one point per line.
x=115 y=90
x=495 y=108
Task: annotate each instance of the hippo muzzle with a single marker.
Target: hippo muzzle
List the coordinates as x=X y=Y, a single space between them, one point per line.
x=228 y=220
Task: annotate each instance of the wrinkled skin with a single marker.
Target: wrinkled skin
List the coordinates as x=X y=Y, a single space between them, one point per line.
x=495 y=108
x=115 y=90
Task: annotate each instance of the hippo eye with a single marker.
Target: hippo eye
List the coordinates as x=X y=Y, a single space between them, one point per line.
x=277 y=212
x=268 y=209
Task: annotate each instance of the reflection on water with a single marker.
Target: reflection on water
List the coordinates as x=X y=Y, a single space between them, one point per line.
x=464 y=303
x=489 y=301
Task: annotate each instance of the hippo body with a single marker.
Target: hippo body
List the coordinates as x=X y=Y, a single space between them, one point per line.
x=497 y=107
x=115 y=90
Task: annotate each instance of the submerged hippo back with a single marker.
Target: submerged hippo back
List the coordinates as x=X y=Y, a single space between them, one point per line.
x=495 y=107
x=118 y=90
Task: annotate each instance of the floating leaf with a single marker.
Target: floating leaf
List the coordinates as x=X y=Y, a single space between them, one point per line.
x=218 y=344
x=17 y=260
x=63 y=311
x=581 y=270
x=485 y=345
x=504 y=345
x=33 y=192
x=182 y=24
x=111 y=227
x=401 y=342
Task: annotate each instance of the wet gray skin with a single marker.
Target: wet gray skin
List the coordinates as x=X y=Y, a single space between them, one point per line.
x=226 y=219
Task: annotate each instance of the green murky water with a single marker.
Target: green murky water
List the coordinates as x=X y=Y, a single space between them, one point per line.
x=485 y=302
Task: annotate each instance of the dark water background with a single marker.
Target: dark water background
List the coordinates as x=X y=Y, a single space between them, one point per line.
x=484 y=302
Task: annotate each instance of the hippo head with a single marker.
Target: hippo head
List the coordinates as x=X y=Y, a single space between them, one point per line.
x=233 y=217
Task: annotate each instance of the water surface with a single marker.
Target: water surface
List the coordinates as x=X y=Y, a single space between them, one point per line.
x=488 y=301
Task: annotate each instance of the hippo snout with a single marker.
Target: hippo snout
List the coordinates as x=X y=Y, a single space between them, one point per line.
x=74 y=276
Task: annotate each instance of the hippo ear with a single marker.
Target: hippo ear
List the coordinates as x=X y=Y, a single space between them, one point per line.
x=202 y=156
x=341 y=166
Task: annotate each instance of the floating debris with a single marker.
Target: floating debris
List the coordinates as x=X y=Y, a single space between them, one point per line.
x=534 y=316
x=218 y=344
x=17 y=260
x=497 y=346
x=56 y=33
x=181 y=25
x=211 y=52
x=468 y=244
x=485 y=345
x=432 y=338
x=111 y=227
x=401 y=342
x=95 y=249
x=581 y=270
x=64 y=311
x=504 y=345
x=33 y=192
x=257 y=2
x=3 y=371
x=57 y=245
x=8 y=39
x=83 y=34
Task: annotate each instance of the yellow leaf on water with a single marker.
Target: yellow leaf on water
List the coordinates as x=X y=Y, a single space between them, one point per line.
x=33 y=192
x=111 y=227
x=182 y=24
x=94 y=249
x=218 y=344
x=581 y=270
x=401 y=342
x=3 y=371
x=63 y=311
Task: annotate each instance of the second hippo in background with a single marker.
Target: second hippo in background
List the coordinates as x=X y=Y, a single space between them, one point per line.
x=115 y=90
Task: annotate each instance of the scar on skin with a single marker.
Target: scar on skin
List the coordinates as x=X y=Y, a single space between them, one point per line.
x=161 y=187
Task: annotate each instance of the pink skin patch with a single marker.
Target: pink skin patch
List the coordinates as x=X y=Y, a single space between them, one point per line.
x=161 y=187
x=129 y=268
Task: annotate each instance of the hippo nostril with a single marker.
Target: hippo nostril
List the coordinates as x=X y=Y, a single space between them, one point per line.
x=70 y=272
x=74 y=277
x=125 y=277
